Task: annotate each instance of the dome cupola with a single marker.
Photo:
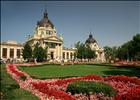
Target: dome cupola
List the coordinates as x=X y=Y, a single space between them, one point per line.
x=45 y=22
x=90 y=39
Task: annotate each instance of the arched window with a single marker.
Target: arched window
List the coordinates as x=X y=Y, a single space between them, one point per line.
x=49 y=32
x=42 y=33
x=46 y=32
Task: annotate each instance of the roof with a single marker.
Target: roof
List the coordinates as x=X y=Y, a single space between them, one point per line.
x=71 y=49
x=91 y=39
x=11 y=43
x=45 y=22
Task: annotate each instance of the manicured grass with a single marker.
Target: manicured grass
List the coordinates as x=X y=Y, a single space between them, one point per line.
x=10 y=89
x=58 y=71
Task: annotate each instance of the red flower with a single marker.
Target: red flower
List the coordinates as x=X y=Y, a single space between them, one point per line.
x=15 y=71
x=124 y=79
x=132 y=94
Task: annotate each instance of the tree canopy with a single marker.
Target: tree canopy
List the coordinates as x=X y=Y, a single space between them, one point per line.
x=84 y=51
x=128 y=51
x=27 y=52
x=39 y=53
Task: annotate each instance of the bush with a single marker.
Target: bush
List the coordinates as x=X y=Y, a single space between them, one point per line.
x=90 y=87
x=14 y=86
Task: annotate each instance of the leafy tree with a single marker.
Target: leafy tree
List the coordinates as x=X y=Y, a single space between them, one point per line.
x=84 y=51
x=89 y=53
x=125 y=52
x=108 y=53
x=130 y=50
x=27 y=52
x=80 y=50
x=136 y=46
x=39 y=53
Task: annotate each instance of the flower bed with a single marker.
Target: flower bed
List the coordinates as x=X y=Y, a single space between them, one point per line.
x=127 y=87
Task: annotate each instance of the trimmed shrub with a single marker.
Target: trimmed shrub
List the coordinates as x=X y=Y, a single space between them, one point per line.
x=90 y=87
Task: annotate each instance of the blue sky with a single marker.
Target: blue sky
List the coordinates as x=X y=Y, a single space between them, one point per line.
x=111 y=22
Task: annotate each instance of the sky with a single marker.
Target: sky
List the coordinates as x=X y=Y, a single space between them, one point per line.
x=111 y=23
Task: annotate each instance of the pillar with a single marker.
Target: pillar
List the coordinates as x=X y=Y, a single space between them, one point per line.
x=60 y=51
x=1 y=52
x=8 y=53
x=65 y=55
x=69 y=55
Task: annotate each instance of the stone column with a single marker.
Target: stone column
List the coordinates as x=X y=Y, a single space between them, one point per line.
x=73 y=55
x=60 y=51
x=15 y=52
x=1 y=53
x=56 y=49
x=65 y=55
x=8 y=53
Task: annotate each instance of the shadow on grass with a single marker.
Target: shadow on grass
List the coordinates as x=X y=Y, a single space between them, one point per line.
x=120 y=71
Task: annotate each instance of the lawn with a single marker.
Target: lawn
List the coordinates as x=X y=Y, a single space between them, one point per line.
x=10 y=89
x=58 y=71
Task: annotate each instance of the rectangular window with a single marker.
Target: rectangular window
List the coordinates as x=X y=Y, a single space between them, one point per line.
x=18 y=53
x=70 y=55
x=52 y=45
x=11 y=53
x=63 y=55
x=67 y=55
x=4 y=52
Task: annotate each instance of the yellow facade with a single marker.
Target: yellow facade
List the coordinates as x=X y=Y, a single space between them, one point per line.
x=45 y=34
x=11 y=50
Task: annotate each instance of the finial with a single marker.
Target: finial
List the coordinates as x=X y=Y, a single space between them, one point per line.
x=90 y=34
x=45 y=12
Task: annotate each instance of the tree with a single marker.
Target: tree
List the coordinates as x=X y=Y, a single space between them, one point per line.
x=89 y=53
x=84 y=51
x=136 y=46
x=39 y=53
x=80 y=50
x=27 y=52
x=108 y=53
x=130 y=50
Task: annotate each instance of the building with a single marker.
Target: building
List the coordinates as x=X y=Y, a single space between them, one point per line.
x=11 y=50
x=92 y=43
x=46 y=35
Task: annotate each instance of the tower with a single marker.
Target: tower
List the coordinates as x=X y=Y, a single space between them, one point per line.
x=45 y=27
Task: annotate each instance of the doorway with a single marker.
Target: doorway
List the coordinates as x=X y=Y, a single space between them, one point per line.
x=52 y=55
